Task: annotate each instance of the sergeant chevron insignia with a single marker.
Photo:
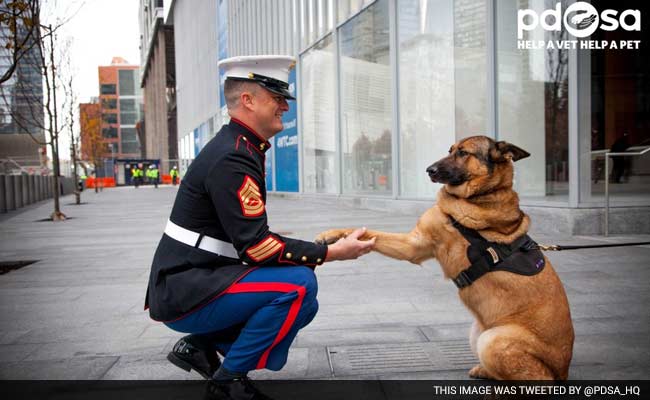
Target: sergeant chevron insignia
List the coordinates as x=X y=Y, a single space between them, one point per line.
x=250 y=198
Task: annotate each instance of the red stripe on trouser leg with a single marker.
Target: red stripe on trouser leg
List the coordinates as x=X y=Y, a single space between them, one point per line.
x=291 y=315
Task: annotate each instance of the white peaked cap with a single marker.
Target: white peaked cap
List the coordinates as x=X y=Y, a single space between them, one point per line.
x=259 y=68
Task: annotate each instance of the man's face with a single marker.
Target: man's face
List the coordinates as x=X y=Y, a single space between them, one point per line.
x=269 y=110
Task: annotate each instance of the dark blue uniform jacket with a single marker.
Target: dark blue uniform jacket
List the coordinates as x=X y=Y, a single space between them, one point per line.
x=222 y=195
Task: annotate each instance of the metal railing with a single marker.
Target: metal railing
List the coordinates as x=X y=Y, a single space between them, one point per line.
x=617 y=154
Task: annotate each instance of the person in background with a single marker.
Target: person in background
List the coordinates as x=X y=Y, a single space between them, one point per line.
x=153 y=174
x=174 y=174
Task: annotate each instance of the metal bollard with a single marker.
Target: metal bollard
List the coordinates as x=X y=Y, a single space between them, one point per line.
x=3 y=201
x=18 y=191
x=32 y=189
x=9 y=192
x=36 y=189
x=25 y=189
x=39 y=188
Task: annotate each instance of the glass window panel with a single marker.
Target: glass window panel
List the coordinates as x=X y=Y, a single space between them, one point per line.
x=109 y=118
x=128 y=118
x=127 y=105
x=320 y=161
x=109 y=133
x=366 y=110
x=130 y=147
x=107 y=89
x=532 y=87
x=109 y=104
x=127 y=82
x=442 y=58
x=617 y=93
x=129 y=135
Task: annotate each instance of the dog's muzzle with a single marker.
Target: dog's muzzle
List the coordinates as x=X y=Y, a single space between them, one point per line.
x=434 y=173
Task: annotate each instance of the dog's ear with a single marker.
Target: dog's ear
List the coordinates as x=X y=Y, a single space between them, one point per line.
x=504 y=151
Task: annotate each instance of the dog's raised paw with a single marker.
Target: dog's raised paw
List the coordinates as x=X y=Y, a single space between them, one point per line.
x=328 y=237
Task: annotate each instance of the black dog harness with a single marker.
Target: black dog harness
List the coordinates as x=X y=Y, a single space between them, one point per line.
x=520 y=257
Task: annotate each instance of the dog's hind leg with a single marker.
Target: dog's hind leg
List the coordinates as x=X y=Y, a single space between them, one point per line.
x=474 y=332
x=507 y=352
x=478 y=372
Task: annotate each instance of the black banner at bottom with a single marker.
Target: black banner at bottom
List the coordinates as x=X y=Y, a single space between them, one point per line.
x=330 y=389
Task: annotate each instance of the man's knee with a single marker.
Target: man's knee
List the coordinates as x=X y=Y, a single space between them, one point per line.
x=308 y=312
x=306 y=278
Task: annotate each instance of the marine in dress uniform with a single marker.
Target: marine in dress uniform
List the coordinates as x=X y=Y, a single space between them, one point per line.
x=219 y=272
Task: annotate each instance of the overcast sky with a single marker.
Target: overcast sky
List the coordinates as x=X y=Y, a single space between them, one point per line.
x=100 y=30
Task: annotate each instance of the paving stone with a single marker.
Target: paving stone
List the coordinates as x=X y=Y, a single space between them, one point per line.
x=68 y=369
x=78 y=312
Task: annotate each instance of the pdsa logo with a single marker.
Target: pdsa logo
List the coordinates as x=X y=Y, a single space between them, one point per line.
x=581 y=20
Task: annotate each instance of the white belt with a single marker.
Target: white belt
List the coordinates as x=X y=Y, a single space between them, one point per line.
x=207 y=243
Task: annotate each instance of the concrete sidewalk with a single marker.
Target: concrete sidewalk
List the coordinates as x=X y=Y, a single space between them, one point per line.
x=78 y=312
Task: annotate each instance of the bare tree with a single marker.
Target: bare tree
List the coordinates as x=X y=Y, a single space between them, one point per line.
x=18 y=26
x=70 y=105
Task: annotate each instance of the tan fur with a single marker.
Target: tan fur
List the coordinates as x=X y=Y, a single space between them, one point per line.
x=523 y=327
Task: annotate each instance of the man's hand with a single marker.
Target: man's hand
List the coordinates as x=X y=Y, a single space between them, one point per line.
x=350 y=247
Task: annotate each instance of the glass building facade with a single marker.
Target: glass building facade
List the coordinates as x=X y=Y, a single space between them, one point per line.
x=385 y=87
x=387 y=90
x=21 y=103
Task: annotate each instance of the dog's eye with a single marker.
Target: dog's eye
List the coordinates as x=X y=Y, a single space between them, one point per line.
x=461 y=153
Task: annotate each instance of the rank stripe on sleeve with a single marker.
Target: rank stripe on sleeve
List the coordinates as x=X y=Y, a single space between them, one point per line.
x=250 y=198
x=264 y=249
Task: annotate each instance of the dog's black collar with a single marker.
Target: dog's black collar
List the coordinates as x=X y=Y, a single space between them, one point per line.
x=521 y=256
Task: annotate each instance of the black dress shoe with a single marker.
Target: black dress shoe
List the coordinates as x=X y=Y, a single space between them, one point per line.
x=189 y=354
x=235 y=389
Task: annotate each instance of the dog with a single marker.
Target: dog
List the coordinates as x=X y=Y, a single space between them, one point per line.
x=522 y=328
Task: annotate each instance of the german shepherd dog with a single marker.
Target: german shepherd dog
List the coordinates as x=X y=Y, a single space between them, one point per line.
x=522 y=328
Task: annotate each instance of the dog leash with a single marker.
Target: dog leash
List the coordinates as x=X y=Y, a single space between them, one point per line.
x=557 y=247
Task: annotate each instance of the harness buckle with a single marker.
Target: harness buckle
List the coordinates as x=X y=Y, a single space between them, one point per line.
x=462 y=280
x=529 y=245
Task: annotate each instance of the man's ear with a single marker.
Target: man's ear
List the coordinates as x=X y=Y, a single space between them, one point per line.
x=504 y=151
x=246 y=99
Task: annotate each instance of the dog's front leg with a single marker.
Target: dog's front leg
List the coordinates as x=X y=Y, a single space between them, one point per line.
x=401 y=246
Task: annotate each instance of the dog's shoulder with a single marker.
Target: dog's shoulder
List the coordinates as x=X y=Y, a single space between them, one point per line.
x=436 y=222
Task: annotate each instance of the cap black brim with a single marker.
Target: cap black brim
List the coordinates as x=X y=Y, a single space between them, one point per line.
x=281 y=92
x=277 y=89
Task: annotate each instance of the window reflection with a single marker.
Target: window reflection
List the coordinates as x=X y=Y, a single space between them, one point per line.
x=318 y=119
x=532 y=87
x=442 y=78
x=366 y=102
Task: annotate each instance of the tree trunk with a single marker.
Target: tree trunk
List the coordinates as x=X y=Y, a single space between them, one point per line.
x=57 y=215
